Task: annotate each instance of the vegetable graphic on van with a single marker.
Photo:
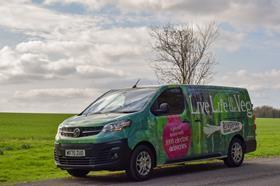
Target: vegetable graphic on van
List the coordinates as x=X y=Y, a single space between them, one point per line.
x=140 y=128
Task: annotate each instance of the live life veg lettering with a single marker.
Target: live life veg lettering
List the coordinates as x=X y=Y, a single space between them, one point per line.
x=231 y=104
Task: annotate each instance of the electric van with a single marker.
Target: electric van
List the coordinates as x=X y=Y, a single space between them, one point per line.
x=140 y=128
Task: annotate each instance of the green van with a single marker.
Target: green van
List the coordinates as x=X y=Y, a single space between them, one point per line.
x=138 y=129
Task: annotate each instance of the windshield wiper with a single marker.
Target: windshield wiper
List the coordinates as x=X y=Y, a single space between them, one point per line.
x=128 y=111
x=125 y=112
x=98 y=113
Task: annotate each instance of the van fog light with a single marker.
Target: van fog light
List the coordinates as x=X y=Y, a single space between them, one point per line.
x=115 y=156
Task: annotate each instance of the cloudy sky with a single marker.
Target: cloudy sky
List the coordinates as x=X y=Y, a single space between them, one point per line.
x=59 y=55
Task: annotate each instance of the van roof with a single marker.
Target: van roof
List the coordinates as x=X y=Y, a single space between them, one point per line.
x=193 y=86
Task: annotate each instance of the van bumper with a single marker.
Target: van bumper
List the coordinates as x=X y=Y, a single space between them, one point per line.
x=112 y=155
x=251 y=145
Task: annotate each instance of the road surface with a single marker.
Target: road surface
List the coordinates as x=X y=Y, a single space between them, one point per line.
x=257 y=172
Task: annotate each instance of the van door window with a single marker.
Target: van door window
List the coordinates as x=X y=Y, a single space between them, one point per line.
x=173 y=99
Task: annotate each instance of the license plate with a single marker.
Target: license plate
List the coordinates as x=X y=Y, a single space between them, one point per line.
x=75 y=152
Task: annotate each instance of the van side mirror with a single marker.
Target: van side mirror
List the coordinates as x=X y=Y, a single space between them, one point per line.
x=163 y=108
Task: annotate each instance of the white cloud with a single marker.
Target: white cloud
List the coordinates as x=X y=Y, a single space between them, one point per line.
x=50 y=94
x=230 y=40
x=98 y=72
x=18 y=67
x=196 y=7
x=276 y=87
x=263 y=86
x=67 y=49
x=242 y=73
x=112 y=50
x=243 y=15
x=38 y=21
x=91 y=4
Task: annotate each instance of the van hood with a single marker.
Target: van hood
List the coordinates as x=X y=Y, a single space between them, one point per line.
x=93 y=120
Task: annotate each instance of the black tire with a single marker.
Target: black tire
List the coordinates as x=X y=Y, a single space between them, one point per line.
x=141 y=163
x=78 y=173
x=235 y=153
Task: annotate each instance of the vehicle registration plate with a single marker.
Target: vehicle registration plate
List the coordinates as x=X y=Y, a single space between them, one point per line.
x=75 y=152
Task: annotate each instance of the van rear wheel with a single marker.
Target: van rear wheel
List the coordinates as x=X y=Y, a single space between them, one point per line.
x=141 y=164
x=235 y=153
x=78 y=173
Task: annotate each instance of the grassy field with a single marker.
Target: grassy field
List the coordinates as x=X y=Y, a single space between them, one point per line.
x=268 y=138
x=26 y=145
x=26 y=141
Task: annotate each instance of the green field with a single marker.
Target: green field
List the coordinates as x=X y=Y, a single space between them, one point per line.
x=26 y=145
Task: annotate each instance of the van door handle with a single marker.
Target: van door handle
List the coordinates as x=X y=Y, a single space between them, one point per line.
x=197 y=120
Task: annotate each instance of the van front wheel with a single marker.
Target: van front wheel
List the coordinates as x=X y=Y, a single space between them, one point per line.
x=235 y=153
x=78 y=173
x=141 y=163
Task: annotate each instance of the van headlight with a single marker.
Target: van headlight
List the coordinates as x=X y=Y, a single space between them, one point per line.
x=116 y=126
x=59 y=129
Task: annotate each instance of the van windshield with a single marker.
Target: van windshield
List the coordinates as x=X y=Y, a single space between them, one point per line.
x=121 y=101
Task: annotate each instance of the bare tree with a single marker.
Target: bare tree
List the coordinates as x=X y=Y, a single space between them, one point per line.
x=182 y=53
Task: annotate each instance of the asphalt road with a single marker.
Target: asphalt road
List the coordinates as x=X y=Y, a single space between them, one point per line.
x=254 y=172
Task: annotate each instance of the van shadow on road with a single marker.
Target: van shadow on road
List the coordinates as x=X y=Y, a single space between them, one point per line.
x=254 y=172
x=165 y=172
x=161 y=172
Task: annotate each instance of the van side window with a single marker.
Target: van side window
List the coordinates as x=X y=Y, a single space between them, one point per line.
x=174 y=97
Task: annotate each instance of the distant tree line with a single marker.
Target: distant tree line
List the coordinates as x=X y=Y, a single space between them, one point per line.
x=267 y=112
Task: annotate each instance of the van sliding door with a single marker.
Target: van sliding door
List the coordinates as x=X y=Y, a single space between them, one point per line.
x=174 y=133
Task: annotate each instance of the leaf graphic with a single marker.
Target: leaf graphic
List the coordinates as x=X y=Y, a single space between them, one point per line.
x=210 y=129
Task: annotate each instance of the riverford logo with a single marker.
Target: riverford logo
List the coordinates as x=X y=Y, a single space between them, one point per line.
x=226 y=127
x=76 y=132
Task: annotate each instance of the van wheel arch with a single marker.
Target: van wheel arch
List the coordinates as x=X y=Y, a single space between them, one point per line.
x=238 y=136
x=236 y=152
x=148 y=144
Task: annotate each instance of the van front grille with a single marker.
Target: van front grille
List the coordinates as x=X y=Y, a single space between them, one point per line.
x=93 y=156
x=83 y=131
